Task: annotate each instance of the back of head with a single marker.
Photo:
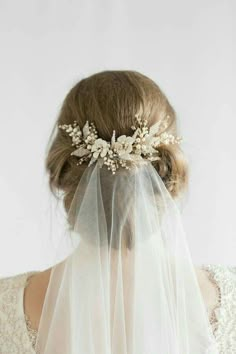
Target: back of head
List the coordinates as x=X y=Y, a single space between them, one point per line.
x=111 y=99
x=130 y=270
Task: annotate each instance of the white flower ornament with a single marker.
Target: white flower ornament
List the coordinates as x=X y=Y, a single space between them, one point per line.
x=100 y=147
x=141 y=145
x=123 y=146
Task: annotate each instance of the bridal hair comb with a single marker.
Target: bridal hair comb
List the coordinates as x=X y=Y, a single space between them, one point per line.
x=121 y=151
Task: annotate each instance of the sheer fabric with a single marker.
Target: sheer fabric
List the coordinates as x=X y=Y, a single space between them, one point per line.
x=128 y=285
x=15 y=339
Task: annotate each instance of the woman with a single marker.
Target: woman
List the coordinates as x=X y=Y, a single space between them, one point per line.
x=128 y=285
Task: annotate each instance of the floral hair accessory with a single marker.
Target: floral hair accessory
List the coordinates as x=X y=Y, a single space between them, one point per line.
x=124 y=150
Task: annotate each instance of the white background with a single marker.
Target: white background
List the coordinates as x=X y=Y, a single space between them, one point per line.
x=187 y=47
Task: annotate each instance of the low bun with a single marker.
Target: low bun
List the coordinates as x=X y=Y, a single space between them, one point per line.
x=172 y=168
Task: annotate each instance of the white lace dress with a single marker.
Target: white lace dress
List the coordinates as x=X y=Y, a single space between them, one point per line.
x=17 y=336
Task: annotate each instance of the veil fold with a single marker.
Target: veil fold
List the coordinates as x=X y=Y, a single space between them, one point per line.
x=128 y=285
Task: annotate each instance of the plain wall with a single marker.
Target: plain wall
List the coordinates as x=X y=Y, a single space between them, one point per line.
x=187 y=47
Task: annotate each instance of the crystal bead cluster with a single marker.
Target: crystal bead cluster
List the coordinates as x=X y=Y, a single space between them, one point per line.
x=120 y=152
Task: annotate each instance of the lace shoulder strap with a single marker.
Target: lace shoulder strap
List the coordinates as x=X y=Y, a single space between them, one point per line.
x=12 y=282
x=224 y=279
x=13 y=330
x=32 y=333
x=212 y=271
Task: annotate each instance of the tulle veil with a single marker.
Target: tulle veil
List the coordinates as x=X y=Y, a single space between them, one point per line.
x=128 y=285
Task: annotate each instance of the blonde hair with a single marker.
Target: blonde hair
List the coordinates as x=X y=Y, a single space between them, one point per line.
x=111 y=99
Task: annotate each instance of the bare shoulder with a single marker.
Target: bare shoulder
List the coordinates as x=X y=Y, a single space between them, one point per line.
x=208 y=287
x=216 y=281
x=213 y=279
x=34 y=295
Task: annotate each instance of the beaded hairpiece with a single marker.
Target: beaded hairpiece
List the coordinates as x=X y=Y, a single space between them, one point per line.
x=121 y=151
